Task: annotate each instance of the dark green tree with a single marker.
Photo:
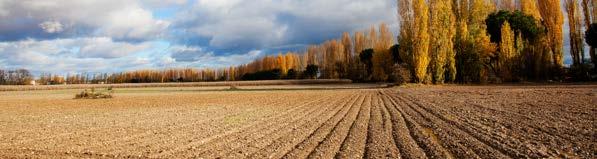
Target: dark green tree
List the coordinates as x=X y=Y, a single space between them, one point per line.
x=591 y=35
x=521 y=23
x=311 y=71
x=395 y=52
x=366 y=57
x=591 y=39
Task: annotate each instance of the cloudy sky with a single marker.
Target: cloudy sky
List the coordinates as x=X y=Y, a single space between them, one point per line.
x=75 y=36
x=69 y=36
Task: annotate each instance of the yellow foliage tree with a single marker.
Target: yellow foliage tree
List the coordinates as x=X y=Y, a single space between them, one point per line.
x=529 y=7
x=281 y=64
x=507 y=51
x=553 y=20
x=359 y=42
x=576 y=33
x=421 y=42
x=442 y=42
x=381 y=56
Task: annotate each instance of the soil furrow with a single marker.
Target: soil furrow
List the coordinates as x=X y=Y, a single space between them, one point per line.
x=124 y=126
x=513 y=135
x=512 y=144
x=236 y=143
x=355 y=143
x=481 y=147
x=408 y=147
x=148 y=142
x=328 y=147
x=379 y=145
x=281 y=145
x=419 y=129
x=485 y=138
x=202 y=141
x=425 y=129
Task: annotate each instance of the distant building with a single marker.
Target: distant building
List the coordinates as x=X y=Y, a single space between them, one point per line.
x=32 y=82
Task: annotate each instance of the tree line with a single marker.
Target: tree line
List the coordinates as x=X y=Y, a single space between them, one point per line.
x=15 y=77
x=493 y=40
x=439 y=41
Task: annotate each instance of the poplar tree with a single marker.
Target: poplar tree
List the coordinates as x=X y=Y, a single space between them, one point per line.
x=507 y=51
x=553 y=20
x=382 y=61
x=442 y=42
x=576 y=36
x=589 y=15
x=421 y=40
x=529 y=7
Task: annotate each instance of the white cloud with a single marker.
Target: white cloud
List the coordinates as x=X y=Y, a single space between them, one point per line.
x=163 y=3
x=198 y=57
x=114 y=18
x=51 y=26
x=73 y=55
x=115 y=35
x=103 y=47
x=266 y=23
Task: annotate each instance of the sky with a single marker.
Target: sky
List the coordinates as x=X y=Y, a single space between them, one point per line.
x=98 y=36
x=93 y=36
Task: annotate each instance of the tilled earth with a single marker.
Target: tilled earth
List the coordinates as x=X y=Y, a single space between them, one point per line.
x=405 y=122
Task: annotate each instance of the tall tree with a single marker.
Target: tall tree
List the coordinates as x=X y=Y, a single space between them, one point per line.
x=347 y=43
x=281 y=63
x=359 y=42
x=406 y=19
x=529 y=7
x=553 y=20
x=421 y=44
x=507 y=5
x=442 y=42
x=382 y=60
x=588 y=12
x=507 y=52
x=576 y=37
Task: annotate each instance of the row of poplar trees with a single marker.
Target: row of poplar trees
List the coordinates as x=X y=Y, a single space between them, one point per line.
x=337 y=58
x=481 y=40
x=440 y=41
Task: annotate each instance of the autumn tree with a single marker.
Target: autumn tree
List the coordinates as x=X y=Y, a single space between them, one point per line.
x=382 y=60
x=347 y=44
x=405 y=39
x=442 y=42
x=421 y=43
x=589 y=16
x=553 y=20
x=281 y=63
x=473 y=46
x=576 y=37
x=529 y=7
x=507 y=52
x=507 y=5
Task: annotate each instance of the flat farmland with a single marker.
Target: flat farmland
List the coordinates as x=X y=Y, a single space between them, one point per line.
x=339 y=122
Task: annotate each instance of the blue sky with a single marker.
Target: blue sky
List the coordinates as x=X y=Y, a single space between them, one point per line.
x=65 y=36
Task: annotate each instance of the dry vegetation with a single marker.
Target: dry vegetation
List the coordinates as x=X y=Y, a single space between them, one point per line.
x=188 y=84
x=409 y=122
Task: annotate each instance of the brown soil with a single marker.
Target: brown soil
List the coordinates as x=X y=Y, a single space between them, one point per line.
x=405 y=122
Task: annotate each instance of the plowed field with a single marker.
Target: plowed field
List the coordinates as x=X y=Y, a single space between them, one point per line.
x=405 y=122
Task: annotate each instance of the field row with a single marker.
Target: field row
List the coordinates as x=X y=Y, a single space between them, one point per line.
x=371 y=123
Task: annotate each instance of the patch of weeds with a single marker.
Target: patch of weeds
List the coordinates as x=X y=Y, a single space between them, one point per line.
x=92 y=94
x=233 y=87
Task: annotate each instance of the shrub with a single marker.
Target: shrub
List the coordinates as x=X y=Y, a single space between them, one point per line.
x=95 y=95
x=311 y=71
x=402 y=74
